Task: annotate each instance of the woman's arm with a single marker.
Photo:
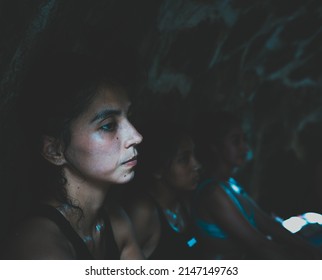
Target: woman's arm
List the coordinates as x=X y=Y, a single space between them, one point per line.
x=146 y=224
x=299 y=247
x=222 y=211
x=124 y=235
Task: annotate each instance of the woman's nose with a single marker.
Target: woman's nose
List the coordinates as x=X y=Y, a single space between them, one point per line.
x=134 y=137
x=195 y=164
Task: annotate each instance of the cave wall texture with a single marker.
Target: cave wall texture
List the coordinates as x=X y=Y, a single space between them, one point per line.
x=260 y=59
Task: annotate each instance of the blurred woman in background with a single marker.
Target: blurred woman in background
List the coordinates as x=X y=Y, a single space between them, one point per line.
x=231 y=223
x=158 y=203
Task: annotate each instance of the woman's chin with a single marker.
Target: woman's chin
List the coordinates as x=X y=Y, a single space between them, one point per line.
x=125 y=178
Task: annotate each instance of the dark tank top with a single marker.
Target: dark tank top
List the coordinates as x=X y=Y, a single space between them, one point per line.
x=82 y=252
x=175 y=245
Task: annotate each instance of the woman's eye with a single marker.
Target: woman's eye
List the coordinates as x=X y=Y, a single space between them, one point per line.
x=108 y=127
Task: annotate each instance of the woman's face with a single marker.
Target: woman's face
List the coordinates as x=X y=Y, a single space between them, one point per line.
x=103 y=141
x=183 y=173
x=233 y=148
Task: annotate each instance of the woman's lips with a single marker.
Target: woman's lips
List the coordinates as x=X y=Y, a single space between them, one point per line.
x=131 y=162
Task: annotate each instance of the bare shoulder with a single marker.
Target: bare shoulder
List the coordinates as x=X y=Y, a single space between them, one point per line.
x=214 y=203
x=120 y=221
x=124 y=233
x=117 y=215
x=210 y=193
x=39 y=238
x=144 y=216
x=142 y=207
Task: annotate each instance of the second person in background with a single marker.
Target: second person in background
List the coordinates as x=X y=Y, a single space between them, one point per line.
x=159 y=202
x=231 y=223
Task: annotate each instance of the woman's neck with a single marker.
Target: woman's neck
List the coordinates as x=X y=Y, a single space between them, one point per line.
x=91 y=205
x=164 y=195
x=89 y=225
x=87 y=196
x=220 y=172
x=83 y=206
x=84 y=210
x=171 y=204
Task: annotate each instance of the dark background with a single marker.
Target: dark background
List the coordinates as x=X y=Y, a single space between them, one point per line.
x=260 y=59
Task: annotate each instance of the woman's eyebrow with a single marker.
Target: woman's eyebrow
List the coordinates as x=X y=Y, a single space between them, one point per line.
x=106 y=113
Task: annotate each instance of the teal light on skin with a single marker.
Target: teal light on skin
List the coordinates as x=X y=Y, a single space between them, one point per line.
x=99 y=227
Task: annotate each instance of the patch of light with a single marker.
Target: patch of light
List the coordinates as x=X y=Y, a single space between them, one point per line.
x=192 y=242
x=233 y=184
x=249 y=155
x=235 y=188
x=294 y=224
x=312 y=218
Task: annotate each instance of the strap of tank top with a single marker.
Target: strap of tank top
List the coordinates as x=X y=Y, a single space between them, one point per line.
x=54 y=215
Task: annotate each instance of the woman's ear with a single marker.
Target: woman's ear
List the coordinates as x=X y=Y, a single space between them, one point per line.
x=53 y=150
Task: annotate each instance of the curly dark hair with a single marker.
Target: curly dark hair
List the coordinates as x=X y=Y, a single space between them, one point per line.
x=210 y=128
x=162 y=139
x=57 y=88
